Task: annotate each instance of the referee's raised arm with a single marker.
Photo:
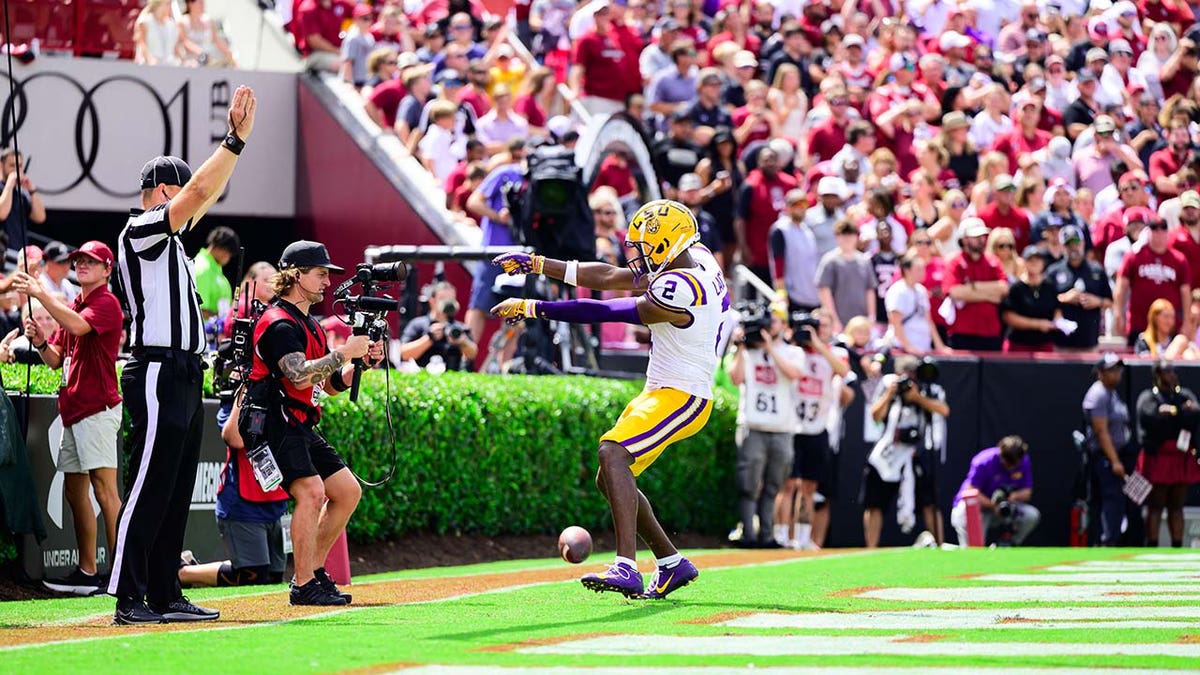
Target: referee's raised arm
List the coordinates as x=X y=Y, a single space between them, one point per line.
x=207 y=184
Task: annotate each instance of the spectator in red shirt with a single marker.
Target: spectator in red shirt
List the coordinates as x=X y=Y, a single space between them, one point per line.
x=1110 y=226
x=977 y=286
x=476 y=152
x=475 y=93
x=1180 y=69
x=755 y=121
x=599 y=60
x=1167 y=165
x=1003 y=212
x=614 y=172
x=761 y=200
x=1152 y=272
x=1186 y=238
x=532 y=98
x=735 y=31
x=320 y=30
x=829 y=137
x=85 y=347
x=1175 y=12
x=1025 y=137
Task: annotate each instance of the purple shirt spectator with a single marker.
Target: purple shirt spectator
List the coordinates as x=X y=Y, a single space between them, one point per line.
x=987 y=474
x=492 y=187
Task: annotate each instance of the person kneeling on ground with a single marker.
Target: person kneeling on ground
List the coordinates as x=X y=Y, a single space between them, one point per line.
x=1004 y=479
x=248 y=520
x=292 y=365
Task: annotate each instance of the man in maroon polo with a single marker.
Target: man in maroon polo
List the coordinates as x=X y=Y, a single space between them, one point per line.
x=85 y=347
x=761 y=200
x=976 y=285
x=1152 y=272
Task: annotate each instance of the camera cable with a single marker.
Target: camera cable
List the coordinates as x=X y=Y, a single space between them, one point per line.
x=18 y=193
x=387 y=413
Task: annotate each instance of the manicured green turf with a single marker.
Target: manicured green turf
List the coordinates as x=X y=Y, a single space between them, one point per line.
x=453 y=632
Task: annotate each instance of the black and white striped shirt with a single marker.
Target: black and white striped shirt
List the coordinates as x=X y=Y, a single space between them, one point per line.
x=158 y=285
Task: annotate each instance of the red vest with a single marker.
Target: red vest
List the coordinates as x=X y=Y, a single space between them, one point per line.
x=300 y=404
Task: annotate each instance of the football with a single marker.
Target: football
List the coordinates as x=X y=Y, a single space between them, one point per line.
x=574 y=544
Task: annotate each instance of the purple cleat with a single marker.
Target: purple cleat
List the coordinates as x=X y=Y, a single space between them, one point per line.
x=619 y=577
x=667 y=581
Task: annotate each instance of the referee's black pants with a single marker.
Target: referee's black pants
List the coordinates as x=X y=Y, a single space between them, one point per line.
x=162 y=392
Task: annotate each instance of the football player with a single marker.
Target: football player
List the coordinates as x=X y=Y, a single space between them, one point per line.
x=684 y=305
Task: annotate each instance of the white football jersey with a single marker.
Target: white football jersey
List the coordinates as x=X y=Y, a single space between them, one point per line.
x=766 y=393
x=816 y=394
x=705 y=259
x=685 y=357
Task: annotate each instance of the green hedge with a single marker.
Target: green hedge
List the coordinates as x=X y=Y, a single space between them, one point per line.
x=515 y=454
x=492 y=455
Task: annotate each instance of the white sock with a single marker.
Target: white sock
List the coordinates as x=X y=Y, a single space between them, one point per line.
x=781 y=532
x=669 y=561
x=628 y=561
x=803 y=533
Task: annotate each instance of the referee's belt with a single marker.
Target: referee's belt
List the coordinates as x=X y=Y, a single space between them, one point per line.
x=164 y=354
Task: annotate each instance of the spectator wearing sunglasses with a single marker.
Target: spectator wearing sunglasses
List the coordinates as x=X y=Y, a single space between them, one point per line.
x=1155 y=271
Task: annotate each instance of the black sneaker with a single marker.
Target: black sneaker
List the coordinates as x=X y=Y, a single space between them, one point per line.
x=135 y=613
x=77 y=583
x=315 y=593
x=321 y=575
x=182 y=609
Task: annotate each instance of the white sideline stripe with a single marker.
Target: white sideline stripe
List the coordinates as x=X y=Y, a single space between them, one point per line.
x=830 y=645
x=203 y=626
x=1047 y=593
x=1114 y=577
x=1123 y=565
x=766 y=670
x=1169 y=557
x=941 y=619
x=151 y=393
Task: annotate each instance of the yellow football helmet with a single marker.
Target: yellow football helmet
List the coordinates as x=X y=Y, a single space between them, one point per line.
x=658 y=233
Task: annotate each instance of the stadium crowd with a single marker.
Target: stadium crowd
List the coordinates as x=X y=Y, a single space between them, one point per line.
x=1033 y=161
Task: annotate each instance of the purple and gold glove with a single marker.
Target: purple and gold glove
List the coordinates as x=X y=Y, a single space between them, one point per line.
x=520 y=263
x=516 y=310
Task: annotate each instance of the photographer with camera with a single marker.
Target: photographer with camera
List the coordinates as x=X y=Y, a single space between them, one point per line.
x=292 y=365
x=1004 y=478
x=438 y=333
x=912 y=407
x=819 y=391
x=764 y=369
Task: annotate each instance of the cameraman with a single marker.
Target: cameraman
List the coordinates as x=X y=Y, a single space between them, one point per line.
x=292 y=366
x=1004 y=477
x=763 y=368
x=438 y=333
x=912 y=407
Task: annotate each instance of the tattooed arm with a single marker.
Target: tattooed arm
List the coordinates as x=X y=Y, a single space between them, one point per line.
x=309 y=373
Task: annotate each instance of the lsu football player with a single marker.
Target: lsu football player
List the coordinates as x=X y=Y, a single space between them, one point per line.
x=684 y=304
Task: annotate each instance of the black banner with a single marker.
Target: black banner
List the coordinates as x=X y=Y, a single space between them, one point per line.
x=989 y=399
x=58 y=554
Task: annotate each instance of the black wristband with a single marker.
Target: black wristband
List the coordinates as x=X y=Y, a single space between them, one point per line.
x=233 y=144
x=338 y=381
x=41 y=346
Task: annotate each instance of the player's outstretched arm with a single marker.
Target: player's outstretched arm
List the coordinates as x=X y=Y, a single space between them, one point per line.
x=642 y=310
x=594 y=275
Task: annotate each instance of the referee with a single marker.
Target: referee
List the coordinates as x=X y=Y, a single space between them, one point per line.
x=162 y=381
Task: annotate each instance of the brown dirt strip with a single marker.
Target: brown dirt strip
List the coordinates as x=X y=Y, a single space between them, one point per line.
x=273 y=607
